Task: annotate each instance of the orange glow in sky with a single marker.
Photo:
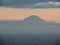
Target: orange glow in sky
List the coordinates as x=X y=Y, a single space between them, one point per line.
x=19 y=14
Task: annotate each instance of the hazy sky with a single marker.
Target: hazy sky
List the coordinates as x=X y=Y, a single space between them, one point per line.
x=18 y=14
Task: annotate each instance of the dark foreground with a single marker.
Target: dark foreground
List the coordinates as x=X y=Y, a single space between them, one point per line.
x=29 y=39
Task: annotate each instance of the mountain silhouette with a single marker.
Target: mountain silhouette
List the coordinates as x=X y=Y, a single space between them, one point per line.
x=34 y=19
x=30 y=25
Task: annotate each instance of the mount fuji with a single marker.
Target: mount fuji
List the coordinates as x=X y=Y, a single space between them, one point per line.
x=34 y=19
x=30 y=25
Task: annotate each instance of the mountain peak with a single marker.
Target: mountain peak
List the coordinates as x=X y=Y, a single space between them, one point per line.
x=34 y=19
x=34 y=16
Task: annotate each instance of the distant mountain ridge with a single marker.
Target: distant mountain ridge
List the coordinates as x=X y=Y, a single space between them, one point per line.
x=34 y=19
x=30 y=25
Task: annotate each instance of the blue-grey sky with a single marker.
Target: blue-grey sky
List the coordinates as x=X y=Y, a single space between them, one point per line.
x=30 y=3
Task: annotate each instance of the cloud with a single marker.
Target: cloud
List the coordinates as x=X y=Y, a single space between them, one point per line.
x=46 y=5
x=31 y=3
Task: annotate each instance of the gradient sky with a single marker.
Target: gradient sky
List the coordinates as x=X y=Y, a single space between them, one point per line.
x=19 y=14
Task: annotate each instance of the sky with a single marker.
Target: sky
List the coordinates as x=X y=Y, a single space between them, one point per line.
x=30 y=3
x=48 y=10
x=52 y=14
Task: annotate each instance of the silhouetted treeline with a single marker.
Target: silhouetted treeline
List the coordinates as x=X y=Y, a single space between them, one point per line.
x=1 y=40
x=29 y=40
x=8 y=42
x=57 y=42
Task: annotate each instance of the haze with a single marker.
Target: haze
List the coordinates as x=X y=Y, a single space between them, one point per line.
x=52 y=14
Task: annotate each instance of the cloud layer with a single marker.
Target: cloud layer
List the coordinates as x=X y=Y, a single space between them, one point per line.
x=30 y=3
